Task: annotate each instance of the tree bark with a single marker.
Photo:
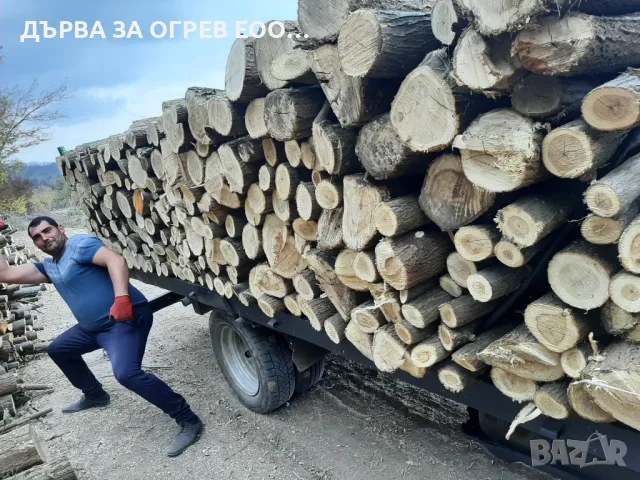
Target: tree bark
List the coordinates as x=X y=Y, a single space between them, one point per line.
x=242 y=80
x=383 y=153
x=335 y=147
x=274 y=152
x=453 y=338
x=617 y=321
x=467 y=355
x=306 y=285
x=576 y=149
x=335 y=328
x=423 y=310
x=464 y=310
x=580 y=274
x=552 y=99
x=616 y=191
x=448 y=198
x=22 y=449
x=8 y=384
x=399 y=265
x=251 y=150
x=361 y=340
x=289 y=113
x=518 y=352
x=578 y=44
x=496 y=160
x=496 y=282
x=234 y=225
x=317 y=311
x=57 y=468
x=410 y=334
x=374 y=43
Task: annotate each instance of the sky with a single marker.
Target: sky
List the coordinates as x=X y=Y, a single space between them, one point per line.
x=118 y=81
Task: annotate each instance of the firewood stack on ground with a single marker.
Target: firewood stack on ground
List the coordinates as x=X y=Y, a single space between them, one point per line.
x=410 y=180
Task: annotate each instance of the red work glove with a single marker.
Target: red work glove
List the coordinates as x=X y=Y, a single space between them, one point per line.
x=122 y=309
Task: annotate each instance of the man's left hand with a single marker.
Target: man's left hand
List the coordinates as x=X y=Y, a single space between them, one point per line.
x=122 y=309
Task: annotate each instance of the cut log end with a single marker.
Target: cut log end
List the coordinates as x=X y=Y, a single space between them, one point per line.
x=517 y=388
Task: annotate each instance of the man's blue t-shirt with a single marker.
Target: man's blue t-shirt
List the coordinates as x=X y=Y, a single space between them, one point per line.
x=85 y=287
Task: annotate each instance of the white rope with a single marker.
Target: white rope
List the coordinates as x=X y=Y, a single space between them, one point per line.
x=529 y=412
x=603 y=384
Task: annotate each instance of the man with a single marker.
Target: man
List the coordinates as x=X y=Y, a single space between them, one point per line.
x=112 y=314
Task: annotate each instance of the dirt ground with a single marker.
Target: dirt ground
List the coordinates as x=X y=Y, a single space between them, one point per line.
x=341 y=429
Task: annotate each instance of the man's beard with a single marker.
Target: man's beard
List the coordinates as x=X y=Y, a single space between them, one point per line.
x=53 y=248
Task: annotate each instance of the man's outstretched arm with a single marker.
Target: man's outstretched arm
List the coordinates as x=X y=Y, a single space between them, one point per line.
x=122 y=309
x=27 y=274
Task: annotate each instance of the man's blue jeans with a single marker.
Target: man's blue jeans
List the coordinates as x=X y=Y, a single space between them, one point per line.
x=125 y=344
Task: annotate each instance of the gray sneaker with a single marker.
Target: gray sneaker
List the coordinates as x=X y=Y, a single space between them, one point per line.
x=86 y=403
x=189 y=434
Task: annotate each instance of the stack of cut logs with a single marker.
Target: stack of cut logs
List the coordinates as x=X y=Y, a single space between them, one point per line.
x=401 y=176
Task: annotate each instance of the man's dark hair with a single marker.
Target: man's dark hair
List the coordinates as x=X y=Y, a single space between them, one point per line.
x=38 y=220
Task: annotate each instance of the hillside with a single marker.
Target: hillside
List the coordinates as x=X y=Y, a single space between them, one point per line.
x=41 y=174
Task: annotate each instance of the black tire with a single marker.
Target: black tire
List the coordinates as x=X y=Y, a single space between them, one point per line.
x=272 y=371
x=310 y=377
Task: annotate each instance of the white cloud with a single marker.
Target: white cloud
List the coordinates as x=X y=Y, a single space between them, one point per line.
x=136 y=100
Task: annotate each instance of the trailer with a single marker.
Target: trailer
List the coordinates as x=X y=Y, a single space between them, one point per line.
x=267 y=360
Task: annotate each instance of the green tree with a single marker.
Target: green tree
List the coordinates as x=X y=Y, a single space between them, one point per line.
x=26 y=114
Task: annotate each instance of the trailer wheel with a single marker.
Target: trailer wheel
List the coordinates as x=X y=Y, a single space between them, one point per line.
x=310 y=377
x=255 y=362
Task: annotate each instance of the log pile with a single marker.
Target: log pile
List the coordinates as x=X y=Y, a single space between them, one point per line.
x=398 y=179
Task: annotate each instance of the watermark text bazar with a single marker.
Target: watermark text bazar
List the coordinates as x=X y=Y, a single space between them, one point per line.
x=575 y=452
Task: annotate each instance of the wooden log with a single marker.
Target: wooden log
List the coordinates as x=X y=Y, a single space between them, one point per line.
x=616 y=320
x=383 y=153
x=22 y=449
x=556 y=325
x=233 y=252
x=281 y=208
x=274 y=153
x=467 y=355
x=279 y=246
x=7 y=405
x=335 y=146
x=289 y=113
x=242 y=80
x=532 y=217
x=579 y=44
x=342 y=297
x=293 y=152
x=226 y=117
x=317 y=311
x=616 y=378
x=613 y=106
x=440 y=103
x=335 y=328
x=323 y=21
x=364 y=266
x=251 y=150
x=154 y=125
x=373 y=43
x=259 y=201
x=254 y=119
x=306 y=202
x=448 y=198
x=496 y=282
x=582 y=403
x=575 y=360
x=306 y=229
x=287 y=178
x=513 y=256
x=272 y=284
x=485 y=64
x=617 y=191
x=429 y=352
x=476 y=242
x=291 y=302
x=401 y=268
x=607 y=231
x=346 y=273
x=496 y=160
x=361 y=198
x=624 y=290
x=293 y=66
x=460 y=269
x=516 y=388
x=329 y=193
x=580 y=274
x=267 y=178
x=388 y=350
x=463 y=310
x=361 y=340
x=453 y=338
x=388 y=301
x=308 y=155
x=455 y=378
x=239 y=175
x=414 y=292
x=354 y=100
x=306 y=285
x=447 y=20
x=234 y=225
x=412 y=335
x=423 y=310
x=58 y=468
x=553 y=99
x=197 y=98
x=519 y=352
x=576 y=149
x=270 y=306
